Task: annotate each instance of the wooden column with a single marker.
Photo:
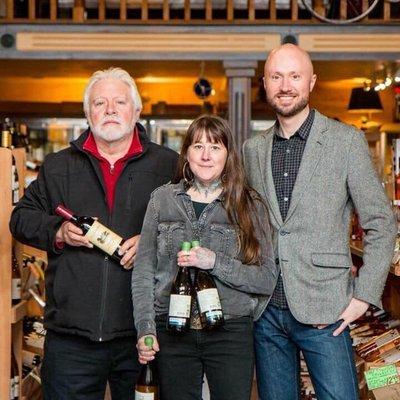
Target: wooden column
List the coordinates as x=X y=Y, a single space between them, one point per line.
x=239 y=75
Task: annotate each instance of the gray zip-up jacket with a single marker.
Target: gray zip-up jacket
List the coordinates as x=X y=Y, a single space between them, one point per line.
x=170 y=219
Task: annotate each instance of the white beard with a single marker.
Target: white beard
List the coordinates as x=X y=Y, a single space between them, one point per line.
x=113 y=132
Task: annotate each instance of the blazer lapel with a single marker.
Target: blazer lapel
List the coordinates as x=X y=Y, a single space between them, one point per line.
x=311 y=156
x=264 y=158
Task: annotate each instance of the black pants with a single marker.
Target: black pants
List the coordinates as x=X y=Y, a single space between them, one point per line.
x=76 y=368
x=225 y=356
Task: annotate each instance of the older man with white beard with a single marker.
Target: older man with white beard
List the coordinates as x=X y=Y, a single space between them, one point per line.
x=109 y=172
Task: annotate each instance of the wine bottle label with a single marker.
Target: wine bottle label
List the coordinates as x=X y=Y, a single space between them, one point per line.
x=103 y=238
x=15 y=199
x=29 y=358
x=179 y=306
x=143 y=396
x=16 y=289
x=16 y=387
x=12 y=389
x=214 y=313
x=391 y=335
x=391 y=356
x=35 y=340
x=208 y=300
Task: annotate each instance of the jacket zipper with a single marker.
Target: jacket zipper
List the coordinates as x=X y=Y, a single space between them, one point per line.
x=103 y=297
x=129 y=197
x=105 y=282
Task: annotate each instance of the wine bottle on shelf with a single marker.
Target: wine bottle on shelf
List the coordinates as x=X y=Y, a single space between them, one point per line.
x=15 y=369
x=208 y=300
x=14 y=182
x=178 y=320
x=147 y=384
x=30 y=359
x=15 y=281
x=12 y=378
x=98 y=234
x=5 y=136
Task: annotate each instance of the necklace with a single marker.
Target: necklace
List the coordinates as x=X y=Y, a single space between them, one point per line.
x=206 y=190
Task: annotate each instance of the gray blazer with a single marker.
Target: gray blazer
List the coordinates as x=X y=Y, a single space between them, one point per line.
x=335 y=175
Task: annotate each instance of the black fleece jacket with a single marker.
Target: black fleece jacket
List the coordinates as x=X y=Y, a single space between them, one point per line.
x=87 y=293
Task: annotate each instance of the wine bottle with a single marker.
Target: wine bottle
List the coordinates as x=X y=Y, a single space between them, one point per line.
x=98 y=234
x=30 y=359
x=12 y=378
x=210 y=308
x=5 y=136
x=180 y=299
x=14 y=182
x=15 y=281
x=147 y=384
x=15 y=369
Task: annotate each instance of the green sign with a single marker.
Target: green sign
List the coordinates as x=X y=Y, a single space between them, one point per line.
x=382 y=376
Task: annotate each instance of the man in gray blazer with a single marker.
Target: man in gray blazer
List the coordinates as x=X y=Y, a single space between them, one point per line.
x=312 y=172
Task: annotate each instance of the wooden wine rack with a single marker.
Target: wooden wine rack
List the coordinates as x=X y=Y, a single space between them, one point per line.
x=11 y=317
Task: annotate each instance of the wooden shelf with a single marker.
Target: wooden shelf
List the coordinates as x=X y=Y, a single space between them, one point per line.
x=356 y=249
x=11 y=317
x=18 y=311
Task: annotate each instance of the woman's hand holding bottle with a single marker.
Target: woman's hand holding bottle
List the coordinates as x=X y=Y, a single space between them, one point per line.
x=198 y=257
x=147 y=353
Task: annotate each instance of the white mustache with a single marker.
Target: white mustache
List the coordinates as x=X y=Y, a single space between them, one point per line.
x=114 y=119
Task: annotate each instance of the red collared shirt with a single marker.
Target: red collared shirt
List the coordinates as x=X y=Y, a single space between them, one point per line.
x=111 y=173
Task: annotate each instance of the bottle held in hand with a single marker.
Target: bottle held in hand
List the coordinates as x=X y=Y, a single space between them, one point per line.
x=147 y=384
x=178 y=320
x=98 y=234
x=208 y=300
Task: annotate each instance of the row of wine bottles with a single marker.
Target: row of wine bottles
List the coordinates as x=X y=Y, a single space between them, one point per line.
x=30 y=359
x=10 y=139
x=185 y=293
x=14 y=135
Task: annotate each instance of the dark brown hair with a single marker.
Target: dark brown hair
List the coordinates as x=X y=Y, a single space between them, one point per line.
x=238 y=198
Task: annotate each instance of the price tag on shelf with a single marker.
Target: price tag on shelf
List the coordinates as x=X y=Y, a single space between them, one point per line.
x=382 y=376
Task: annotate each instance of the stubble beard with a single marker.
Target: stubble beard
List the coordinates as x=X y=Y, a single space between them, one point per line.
x=288 y=112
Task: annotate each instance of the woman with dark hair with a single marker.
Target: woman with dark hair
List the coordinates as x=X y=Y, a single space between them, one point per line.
x=209 y=201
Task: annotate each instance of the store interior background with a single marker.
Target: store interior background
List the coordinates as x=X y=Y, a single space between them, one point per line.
x=54 y=88
x=47 y=96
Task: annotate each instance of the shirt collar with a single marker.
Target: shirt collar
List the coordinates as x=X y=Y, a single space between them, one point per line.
x=303 y=132
x=135 y=148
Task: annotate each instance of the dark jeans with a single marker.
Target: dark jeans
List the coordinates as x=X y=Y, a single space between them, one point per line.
x=278 y=338
x=76 y=368
x=225 y=356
